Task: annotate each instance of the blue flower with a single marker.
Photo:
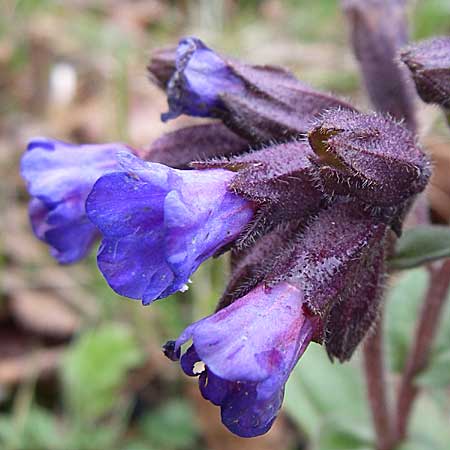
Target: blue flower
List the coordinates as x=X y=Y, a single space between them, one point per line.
x=248 y=351
x=199 y=79
x=59 y=178
x=159 y=224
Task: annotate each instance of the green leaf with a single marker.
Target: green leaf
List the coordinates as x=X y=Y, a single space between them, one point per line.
x=319 y=393
x=421 y=245
x=429 y=424
x=37 y=432
x=438 y=373
x=402 y=305
x=137 y=446
x=95 y=368
x=171 y=427
x=340 y=435
x=91 y=437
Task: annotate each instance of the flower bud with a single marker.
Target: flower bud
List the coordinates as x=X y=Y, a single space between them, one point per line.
x=337 y=262
x=200 y=77
x=351 y=318
x=199 y=142
x=429 y=63
x=369 y=157
x=260 y=103
x=162 y=66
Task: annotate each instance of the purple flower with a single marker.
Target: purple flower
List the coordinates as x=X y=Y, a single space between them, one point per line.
x=159 y=224
x=59 y=177
x=248 y=349
x=200 y=77
x=259 y=103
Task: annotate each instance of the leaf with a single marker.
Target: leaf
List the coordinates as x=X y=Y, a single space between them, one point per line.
x=137 y=446
x=402 y=304
x=341 y=435
x=171 y=427
x=38 y=431
x=429 y=425
x=91 y=437
x=420 y=245
x=319 y=393
x=438 y=373
x=95 y=368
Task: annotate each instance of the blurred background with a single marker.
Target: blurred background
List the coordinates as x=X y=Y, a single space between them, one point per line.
x=81 y=368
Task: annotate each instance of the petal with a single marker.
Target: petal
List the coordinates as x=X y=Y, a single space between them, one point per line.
x=59 y=177
x=159 y=224
x=72 y=241
x=55 y=169
x=201 y=76
x=249 y=349
x=248 y=413
x=122 y=204
x=261 y=334
x=134 y=266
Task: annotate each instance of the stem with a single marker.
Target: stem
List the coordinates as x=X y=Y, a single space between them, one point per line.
x=375 y=373
x=426 y=329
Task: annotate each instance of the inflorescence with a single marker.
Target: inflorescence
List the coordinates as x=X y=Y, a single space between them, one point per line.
x=304 y=190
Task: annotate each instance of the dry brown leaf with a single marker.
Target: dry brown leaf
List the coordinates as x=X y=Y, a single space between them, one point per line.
x=18 y=368
x=44 y=313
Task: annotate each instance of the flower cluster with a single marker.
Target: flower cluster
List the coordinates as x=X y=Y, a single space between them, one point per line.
x=300 y=186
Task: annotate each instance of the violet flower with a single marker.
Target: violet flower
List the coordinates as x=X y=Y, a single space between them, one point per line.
x=248 y=350
x=159 y=224
x=201 y=76
x=260 y=103
x=277 y=175
x=59 y=178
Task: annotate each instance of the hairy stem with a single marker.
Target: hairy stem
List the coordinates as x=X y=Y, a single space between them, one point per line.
x=417 y=360
x=375 y=373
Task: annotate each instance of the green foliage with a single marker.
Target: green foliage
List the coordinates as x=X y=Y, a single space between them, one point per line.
x=344 y=436
x=402 y=304
x=438 y=373
x=430 y=417
x=429 y=424
x=314 y=20
x=328 y=402
x=421 y=245
x=431 y=18
x=37 y=431
x=95 y=368
x=171 y=427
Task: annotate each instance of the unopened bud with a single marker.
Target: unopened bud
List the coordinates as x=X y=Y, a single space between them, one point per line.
x=369 y=157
